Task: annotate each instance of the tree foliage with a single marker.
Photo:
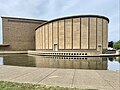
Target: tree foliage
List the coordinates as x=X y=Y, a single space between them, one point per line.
x=116 y=45
x=110 y=44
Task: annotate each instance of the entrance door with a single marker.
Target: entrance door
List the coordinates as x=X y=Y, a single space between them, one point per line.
x=55 y=47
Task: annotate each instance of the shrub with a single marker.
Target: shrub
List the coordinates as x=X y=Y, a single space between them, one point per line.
x=116 y=45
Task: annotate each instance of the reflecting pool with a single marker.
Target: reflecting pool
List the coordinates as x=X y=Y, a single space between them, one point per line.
x=91 y=63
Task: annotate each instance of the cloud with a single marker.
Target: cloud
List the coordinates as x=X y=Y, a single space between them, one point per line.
x=50 y=9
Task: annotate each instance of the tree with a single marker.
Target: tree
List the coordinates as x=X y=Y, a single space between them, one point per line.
x=110 y=44
x=116 y=45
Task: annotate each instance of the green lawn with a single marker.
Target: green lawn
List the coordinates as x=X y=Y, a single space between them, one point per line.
x=22 y=86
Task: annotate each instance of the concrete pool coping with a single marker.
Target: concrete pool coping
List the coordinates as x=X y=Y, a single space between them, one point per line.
x=96 y=79
x=69 y=54
x=13 y=52
x=31 y=52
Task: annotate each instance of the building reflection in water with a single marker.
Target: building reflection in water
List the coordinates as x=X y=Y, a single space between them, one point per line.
x=93 y=63
x=117 y=59
x=19 y=60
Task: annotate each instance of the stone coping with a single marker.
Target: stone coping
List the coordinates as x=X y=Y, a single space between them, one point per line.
x=13 y=52
x=4 y=45
x=71 y=54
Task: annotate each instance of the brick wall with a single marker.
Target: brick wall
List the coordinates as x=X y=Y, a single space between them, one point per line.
x=19 y=33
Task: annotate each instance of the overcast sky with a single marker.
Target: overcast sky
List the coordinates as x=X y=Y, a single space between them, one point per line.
x=50 y=9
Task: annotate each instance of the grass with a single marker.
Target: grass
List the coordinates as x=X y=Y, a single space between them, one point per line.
x=4 y=85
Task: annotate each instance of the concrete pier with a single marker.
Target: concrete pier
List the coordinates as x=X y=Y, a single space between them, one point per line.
x=96 y=79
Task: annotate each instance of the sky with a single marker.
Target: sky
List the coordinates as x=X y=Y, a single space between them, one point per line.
x=51 y=9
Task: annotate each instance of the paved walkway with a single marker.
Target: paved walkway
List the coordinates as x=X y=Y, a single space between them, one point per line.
x=97 y=79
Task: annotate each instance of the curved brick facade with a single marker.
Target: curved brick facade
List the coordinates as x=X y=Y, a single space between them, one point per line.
x=75 y=33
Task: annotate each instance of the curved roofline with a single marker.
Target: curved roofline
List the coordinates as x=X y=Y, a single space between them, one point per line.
x=76 y=16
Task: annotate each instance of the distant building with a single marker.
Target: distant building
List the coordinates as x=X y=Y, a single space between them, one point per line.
x=82 y=33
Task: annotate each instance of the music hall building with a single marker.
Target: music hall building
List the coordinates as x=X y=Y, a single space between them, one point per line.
x=72 y=35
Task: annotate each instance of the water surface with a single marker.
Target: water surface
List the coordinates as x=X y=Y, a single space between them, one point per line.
x=91 y=63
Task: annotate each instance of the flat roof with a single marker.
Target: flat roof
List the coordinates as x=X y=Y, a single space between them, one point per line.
x=76 y=16
x=23 y=18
